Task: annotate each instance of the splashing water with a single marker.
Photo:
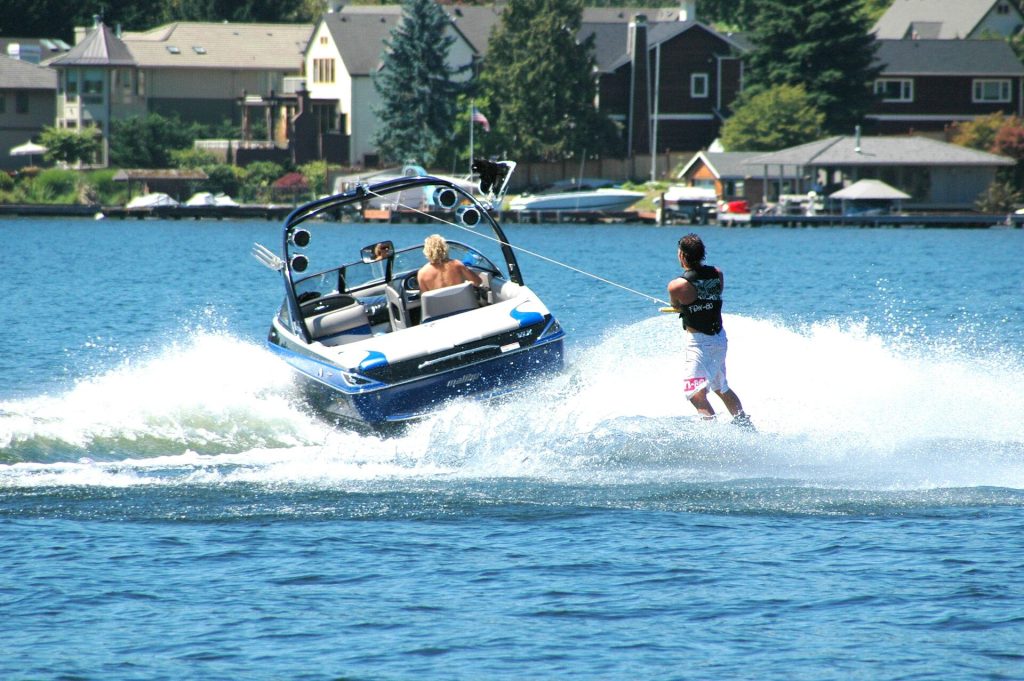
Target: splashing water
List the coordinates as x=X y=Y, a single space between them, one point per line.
x=834 y=405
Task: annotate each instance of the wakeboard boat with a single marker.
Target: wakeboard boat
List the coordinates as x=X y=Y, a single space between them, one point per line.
x=604 y=199
x=368 y=346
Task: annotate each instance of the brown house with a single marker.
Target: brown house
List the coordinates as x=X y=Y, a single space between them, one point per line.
x=928 y=84
x=670 y=84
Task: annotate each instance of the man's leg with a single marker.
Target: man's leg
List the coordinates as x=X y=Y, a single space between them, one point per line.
x=700 y=402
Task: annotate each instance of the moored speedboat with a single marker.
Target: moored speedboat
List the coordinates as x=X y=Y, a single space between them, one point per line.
x=368 y=346
x=606 y=199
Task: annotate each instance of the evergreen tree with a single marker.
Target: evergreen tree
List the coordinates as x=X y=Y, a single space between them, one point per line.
x=823 y=45
x=539 y=86
x=417 y=86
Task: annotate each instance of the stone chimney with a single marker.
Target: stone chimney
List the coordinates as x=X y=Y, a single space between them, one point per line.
x=688 y=10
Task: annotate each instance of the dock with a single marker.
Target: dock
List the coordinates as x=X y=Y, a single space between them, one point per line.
x=276 y=212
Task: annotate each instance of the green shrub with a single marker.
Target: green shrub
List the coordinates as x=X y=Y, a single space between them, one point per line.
x=53 y=185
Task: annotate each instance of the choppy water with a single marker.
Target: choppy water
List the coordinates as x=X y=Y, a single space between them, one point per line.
x=169 y=511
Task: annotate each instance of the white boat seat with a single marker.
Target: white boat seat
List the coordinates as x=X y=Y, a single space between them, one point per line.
x=448 y=300
x=337 y=327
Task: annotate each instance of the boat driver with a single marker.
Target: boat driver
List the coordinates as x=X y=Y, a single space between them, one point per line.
x=440 y=270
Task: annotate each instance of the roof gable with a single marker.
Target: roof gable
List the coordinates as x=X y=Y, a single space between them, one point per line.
x=945 y=19
x=360 y=38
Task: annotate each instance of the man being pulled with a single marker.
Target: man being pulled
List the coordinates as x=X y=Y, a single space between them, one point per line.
x=697 y=294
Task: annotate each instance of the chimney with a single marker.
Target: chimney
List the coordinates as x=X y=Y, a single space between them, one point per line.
x=638 y=138
x=688 y=10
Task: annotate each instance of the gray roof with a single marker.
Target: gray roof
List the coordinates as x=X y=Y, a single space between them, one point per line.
x=948 y=57
x=195 y=44
x=22 y=75
x=939 y=18
x=48 y=47
x=100 y=47
x=611 y=40
x=475 y=23
x=869 y=190
x=608 y=25
x=360 y=38
x=725 y=165
x=843 y=150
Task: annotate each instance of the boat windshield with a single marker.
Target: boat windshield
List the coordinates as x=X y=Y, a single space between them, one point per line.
x=353 y=277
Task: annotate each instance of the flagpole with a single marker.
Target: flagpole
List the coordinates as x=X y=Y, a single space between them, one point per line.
x=472 y=107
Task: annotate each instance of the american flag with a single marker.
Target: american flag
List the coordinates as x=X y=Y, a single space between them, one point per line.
x=481 y=119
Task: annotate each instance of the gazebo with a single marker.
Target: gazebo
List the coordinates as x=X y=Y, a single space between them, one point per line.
x=869 y=196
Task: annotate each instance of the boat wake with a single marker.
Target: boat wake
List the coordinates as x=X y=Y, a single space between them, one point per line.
x=835 y=407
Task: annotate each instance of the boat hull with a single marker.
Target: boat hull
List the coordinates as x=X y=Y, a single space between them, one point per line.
x=598 y=200
x=326 y=390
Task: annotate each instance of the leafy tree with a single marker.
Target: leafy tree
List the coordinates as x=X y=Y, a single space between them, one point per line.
x=979 y=133
x=223 y=179
x=148 y=142
x=70 y=146
x=1000 y=197
x=823 y=45
x=417 y=86
x=539 y=84
x=780 y=117
x=258 y=177
x=192 y=158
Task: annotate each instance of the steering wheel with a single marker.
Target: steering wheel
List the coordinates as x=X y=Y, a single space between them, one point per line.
x=411 y=283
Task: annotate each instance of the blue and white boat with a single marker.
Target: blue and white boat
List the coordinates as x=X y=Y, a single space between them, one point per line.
x=368 y=346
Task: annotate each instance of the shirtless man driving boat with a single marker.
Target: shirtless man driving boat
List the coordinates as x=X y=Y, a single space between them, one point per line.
x=441 y=270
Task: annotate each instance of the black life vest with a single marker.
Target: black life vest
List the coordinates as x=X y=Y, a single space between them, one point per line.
x=705 y=313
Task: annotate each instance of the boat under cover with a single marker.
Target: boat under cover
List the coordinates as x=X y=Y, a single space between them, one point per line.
x=368 y=346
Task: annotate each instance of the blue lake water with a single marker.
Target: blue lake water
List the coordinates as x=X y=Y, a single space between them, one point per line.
x=169 y=511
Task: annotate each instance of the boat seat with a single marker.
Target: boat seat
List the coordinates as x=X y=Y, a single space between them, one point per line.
x=337 y=327
x=448 y=300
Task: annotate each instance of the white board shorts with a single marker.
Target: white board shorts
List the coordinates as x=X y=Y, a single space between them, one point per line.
x=704 y=365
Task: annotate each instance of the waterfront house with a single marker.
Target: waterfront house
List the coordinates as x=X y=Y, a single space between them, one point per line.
x=346 y=49
x=199 y=72
x=730 y=176
x=668 y=83
x=936 y=175
x=926 y=85
x=27 y=99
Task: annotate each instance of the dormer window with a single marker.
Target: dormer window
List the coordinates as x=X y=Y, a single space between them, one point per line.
x=199 y=49
x=173 y=50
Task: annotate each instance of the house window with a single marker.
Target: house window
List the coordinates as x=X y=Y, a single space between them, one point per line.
x=895 y=89
x=1002 y=8
x=323 y=40
x=21 y=102
x=698 y=85
x=991 y=90
x=72 y=87
x=92 y=85
x=323 y=70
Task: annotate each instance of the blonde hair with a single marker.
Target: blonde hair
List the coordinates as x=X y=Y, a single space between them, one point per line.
x=436 y=249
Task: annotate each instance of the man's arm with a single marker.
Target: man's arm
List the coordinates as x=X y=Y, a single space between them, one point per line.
x=469 y=274
x=681 y=292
